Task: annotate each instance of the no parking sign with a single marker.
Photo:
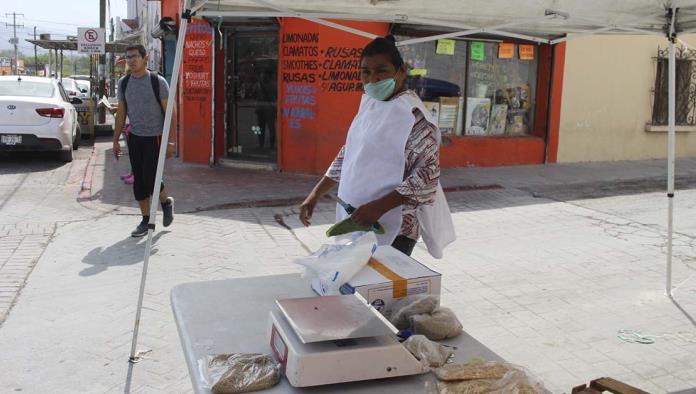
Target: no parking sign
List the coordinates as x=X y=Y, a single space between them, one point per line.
x=91 y=40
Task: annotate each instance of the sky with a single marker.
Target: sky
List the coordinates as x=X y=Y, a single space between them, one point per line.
x=58 y=17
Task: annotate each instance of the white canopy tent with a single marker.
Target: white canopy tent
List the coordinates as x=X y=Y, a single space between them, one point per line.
x=540 y=21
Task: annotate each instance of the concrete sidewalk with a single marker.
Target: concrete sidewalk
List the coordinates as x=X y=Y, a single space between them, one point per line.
x=550 y=263
x=201 y=188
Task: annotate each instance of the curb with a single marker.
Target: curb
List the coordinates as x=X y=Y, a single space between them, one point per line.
x=85 y=193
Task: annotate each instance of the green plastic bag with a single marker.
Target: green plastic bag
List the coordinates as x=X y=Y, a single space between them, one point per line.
x=347 y=225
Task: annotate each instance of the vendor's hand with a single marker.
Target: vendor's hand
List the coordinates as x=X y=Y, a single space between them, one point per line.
x=307 y=209
x=368 y=214
x=117 y=150
x=170 y=150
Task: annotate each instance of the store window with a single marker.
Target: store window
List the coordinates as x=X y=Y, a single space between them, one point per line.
x=437 y=74
x=475 y=88
x=501 y=89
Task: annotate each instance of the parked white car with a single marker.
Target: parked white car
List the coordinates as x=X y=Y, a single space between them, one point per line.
x=36 y=114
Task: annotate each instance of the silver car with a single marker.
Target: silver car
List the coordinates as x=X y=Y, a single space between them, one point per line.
x=37 y=115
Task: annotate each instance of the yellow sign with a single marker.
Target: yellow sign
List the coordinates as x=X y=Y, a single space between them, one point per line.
x=417 y=71
x=506 y=50
x=527 y=52
x=445 y=47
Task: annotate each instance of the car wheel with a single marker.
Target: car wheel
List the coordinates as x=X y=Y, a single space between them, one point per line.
x=76 y=140
x=66 y=156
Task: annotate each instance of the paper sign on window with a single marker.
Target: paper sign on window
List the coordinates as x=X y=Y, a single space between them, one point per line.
x=477 y=50
x=445 y=47
x=506 y=50
x=527 y=52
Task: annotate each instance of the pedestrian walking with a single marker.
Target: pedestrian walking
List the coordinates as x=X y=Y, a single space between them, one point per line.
x=143 y=96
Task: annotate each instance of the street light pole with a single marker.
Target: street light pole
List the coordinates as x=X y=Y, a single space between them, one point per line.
x=36 y=59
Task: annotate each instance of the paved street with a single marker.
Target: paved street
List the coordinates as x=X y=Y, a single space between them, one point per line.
x=550 y=263
x=37 y=195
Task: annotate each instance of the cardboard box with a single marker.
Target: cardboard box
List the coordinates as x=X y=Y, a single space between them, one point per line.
x=391 y=275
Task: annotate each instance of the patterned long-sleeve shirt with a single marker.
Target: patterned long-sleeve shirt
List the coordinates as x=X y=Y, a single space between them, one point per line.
x=421 y=172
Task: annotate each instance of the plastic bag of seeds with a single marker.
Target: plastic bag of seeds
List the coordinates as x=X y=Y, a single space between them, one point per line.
x=240 y=372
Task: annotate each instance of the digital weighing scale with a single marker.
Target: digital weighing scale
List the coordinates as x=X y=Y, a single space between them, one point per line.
x=336 y=339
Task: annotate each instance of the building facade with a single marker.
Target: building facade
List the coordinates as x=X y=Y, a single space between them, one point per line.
x=615 y=99
x=282 y=92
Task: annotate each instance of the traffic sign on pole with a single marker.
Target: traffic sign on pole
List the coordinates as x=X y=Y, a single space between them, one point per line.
x=91 y=40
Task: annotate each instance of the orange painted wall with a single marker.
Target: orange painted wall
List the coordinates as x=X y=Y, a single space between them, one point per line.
x=556 y=94
x=171 y=8
x=314 y=113
x=491 y=151
x=220 y=98
x=195 y=100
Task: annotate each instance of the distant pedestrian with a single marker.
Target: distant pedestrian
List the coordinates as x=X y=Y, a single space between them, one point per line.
x=143 y=96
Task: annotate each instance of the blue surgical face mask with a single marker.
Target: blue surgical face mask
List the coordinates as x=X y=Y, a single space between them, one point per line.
x=381 y=90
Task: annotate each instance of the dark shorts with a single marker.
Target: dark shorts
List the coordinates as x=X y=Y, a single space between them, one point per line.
x=143 y=153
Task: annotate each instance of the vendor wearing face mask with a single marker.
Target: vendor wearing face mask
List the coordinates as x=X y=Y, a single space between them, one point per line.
x=390 y=164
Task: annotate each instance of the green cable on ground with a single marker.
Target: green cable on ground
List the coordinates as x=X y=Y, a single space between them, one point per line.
x=633 y=336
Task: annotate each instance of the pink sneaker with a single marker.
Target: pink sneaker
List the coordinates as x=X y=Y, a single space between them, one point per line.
x=129 y=179
x=124 y=176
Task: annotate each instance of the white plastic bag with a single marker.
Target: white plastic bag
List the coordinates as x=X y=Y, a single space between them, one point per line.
x=435 y=221
x=434 y=354
x=437 y=325
x=333 y=265
x=403 y=309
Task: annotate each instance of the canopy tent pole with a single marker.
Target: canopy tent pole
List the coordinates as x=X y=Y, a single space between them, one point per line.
x=154 y=200
x=671 y=93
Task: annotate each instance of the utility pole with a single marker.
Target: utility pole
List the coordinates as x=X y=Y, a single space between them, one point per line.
x=101 y=71
x=14 y=39
x=36 y=58
x=112 y=84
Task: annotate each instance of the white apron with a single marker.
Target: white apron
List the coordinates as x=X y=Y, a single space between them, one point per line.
x=373 y=166
x=375 y=158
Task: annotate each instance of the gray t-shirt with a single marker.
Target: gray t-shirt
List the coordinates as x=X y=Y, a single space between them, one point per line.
x=144 y=112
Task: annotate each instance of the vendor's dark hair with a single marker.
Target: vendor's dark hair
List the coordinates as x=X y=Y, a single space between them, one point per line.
x=384 y=46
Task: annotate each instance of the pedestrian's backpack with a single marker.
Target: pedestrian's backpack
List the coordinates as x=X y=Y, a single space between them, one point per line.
x=154 y=80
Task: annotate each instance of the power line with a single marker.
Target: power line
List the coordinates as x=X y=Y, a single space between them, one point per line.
x=51 y=22
x=27 y=29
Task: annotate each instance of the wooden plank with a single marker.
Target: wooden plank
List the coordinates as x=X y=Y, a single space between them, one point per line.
x=614 y=386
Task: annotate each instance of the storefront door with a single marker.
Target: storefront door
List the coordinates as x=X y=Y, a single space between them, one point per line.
x=251 y=90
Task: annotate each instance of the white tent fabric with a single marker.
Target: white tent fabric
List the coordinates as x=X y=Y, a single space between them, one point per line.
x=544 y=18
x=541 y=21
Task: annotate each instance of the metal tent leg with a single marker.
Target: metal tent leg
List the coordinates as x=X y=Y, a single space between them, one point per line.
x=171 y=100
x=671 y=94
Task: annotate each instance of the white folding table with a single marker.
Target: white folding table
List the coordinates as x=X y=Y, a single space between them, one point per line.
x=231 y=316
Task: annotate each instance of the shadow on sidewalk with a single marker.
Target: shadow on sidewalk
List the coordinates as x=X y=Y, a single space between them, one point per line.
x=683 y=311
x=128 y=251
